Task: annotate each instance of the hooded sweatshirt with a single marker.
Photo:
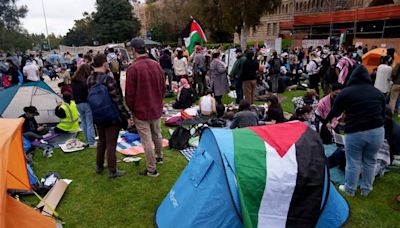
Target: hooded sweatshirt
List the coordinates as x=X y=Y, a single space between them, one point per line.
x=363 y=104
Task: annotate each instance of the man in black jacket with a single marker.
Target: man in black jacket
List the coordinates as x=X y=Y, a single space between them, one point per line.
x=364 y=108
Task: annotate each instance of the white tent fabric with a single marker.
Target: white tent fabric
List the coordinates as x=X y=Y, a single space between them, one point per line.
x=45 y=101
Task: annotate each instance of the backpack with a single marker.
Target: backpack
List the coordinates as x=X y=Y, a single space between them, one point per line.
x=174 y=121
x=276 y=66
x=103 y=107
x=114 y=66
x=180 y=138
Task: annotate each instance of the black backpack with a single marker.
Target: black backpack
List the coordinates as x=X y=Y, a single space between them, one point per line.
x=180 y=138
x=276 y=67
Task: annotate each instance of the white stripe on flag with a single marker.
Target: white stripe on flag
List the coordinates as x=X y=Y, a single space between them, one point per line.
x=279 y=187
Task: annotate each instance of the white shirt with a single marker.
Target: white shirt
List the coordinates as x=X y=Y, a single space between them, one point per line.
x=180 y=66
x=206 y=104
x=383 y=75
x=30 y=70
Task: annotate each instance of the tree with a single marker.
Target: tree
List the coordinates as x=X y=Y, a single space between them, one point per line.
x=10 y=14
x=114 y=21
x=244 y=14
x=82 y=33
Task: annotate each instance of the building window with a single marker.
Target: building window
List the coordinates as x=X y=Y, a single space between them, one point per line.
x=275 y=28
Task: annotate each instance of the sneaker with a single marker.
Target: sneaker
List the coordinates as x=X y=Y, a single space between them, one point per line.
x=42 y=141
x=342 y=188
x=160 y=161
x=118 y=173
x=99 y=170
x=149 y=174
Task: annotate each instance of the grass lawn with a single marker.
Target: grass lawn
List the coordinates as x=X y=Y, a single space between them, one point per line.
x=96 y=201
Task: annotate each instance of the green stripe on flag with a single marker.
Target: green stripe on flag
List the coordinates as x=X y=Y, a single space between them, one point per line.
x=194 y=37
x=250 y=165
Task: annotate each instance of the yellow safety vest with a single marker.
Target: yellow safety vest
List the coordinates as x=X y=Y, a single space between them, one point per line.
x=71 y=121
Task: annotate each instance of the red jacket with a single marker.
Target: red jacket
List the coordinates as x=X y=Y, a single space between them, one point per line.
x=145 y=88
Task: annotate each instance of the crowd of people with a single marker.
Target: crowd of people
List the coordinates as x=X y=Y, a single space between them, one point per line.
x=341 y=96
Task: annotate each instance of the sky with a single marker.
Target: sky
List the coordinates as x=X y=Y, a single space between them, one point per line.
x=60 y=14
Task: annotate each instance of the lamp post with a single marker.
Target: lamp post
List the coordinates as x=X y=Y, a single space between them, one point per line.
x=45 y=22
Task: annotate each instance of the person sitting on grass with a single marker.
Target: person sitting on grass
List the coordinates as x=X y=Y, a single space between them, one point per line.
x=245 y=117
x=68 y=114
x=186 y=96
x=207 y=104
x=275 y=112
x=31 y=129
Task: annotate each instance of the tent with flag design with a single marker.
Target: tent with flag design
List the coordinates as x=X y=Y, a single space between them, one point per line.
x=14 y=175
x=192 y=34
x=270 y=176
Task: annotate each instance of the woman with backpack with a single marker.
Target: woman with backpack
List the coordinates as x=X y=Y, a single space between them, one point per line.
x=109 y=113
x=80 y=94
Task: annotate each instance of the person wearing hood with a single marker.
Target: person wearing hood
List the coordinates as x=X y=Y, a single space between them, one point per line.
x=364 y=106
x=186 y=96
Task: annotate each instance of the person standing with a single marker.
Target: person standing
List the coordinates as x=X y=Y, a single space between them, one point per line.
x=31 y=71
x=236 y=74
x=218 y=80
x=180 y=65
x=249 y=76
x=395 y=91
x=80 y=94
x=274 y=71
x=364 y=106
x=200 y=71
x=345 y=66
x=144 y=93
x=115 y=66
x=383 y=76
x=313 y=68
x=108 y=132
x=166 y=65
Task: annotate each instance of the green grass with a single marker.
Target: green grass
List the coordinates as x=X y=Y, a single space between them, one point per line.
x=96 y=201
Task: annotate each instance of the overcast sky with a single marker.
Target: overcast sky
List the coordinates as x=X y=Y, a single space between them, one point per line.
x=60 y=14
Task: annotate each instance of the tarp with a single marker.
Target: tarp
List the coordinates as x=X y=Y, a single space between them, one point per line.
x=209 y=192
x=372 y=58
x=38 y=94
x=14 y=175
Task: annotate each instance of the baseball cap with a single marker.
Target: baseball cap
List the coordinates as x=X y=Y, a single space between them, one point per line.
x=137 y=43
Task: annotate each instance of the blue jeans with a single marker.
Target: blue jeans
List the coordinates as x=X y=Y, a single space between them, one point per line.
x=85 y=113
x=239 y=90
x=361 y=152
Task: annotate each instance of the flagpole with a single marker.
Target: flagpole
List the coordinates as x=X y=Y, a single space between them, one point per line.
x=45 y=22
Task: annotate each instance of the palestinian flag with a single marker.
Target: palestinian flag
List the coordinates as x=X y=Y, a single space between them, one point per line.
x=192 y=34
x=280 y=175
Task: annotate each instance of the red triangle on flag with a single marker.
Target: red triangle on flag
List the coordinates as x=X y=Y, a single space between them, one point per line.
x=281 y=136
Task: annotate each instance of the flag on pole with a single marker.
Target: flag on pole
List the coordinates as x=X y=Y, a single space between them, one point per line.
x=193 y=34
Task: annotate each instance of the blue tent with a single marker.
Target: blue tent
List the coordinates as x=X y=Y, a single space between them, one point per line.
x=206 y=193
x=38 y=94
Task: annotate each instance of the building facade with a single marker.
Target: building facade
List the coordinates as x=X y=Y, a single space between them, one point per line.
x=293 y=19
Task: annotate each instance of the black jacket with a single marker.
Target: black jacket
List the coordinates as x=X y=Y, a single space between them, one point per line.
x=79 y=91
x=249 y=70
x=363 y=104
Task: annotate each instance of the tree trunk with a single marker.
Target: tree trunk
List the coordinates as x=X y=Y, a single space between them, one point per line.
x=243 y=36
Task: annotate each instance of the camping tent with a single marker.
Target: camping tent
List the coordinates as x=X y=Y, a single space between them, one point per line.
x=271 y=176
x=38 y=94
x=14 y=175
x=372 y=59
